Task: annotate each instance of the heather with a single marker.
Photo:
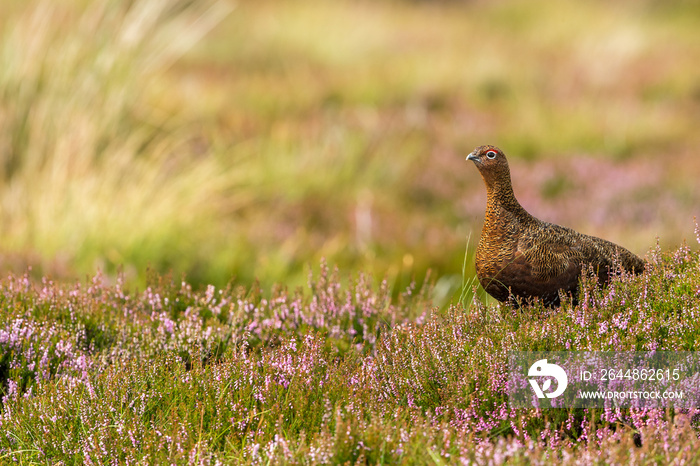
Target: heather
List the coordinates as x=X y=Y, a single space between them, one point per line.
x=331 y=373
x=300 y=165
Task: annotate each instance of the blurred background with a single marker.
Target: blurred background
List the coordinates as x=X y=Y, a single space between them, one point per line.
x=247 y=140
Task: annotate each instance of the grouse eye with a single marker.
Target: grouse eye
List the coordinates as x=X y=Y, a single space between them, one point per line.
x=491 y=154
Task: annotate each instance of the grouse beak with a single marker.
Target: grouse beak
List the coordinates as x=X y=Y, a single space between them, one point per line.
x=473 y=158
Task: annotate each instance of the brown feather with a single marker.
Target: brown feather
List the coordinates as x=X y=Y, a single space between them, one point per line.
x=521 y=258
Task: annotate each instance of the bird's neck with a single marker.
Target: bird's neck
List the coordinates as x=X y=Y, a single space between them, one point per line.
x=501 y=201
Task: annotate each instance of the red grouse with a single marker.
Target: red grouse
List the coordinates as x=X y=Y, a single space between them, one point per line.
x=521 y=258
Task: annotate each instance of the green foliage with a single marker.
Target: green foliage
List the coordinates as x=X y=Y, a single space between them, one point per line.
x=331 y=374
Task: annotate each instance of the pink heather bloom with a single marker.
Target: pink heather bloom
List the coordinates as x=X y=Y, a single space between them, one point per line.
x=602 y=328
x=12 y=391
x=209 y=295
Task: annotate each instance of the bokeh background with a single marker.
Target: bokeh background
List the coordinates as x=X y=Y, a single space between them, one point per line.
x=247 y=140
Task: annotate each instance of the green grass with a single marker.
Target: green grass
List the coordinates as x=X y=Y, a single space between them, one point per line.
x=93 y=373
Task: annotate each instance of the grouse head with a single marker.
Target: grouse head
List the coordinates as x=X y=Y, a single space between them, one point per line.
x=493 y=166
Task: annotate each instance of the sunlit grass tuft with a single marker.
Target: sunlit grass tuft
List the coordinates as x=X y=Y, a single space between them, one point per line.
x=92 y=172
